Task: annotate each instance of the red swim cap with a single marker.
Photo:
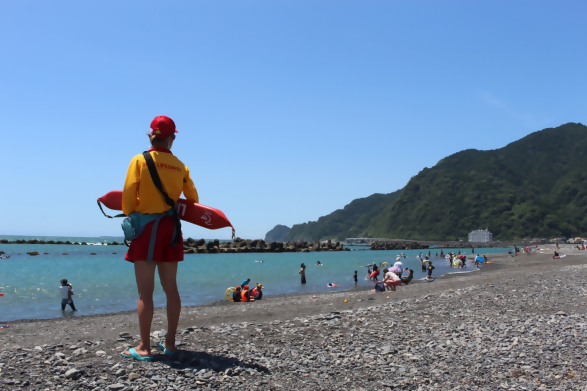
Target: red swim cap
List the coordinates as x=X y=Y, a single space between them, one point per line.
x=238 y=288
x=162 y=126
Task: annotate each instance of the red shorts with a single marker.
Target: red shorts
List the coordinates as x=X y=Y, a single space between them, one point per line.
x=163 y=252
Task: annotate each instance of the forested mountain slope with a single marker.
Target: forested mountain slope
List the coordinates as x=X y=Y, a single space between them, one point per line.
x=349 y=222
x=536 y=186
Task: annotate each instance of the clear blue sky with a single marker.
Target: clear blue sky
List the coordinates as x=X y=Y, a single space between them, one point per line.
x=287 y=110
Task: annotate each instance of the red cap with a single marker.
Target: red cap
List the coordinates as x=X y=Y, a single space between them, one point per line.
x=162 y=127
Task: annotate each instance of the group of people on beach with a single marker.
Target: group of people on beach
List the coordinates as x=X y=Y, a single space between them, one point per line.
x=244 y=294
x=393 y=276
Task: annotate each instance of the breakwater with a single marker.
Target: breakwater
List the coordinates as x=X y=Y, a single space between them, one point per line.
x=38 y=241
x=398 y=246
x=192 y=246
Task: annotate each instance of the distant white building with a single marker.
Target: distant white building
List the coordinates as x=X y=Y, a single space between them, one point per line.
x=480 y=236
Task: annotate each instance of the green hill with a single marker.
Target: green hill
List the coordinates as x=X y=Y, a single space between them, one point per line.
x=351 y=221
x=536 y=187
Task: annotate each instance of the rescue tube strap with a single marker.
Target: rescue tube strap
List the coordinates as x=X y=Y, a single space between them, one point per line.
x=169 y=201
x=100 y=206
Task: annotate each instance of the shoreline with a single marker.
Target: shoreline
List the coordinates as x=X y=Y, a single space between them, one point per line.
x=217 y=303
x=496 y=320
x=495 y=266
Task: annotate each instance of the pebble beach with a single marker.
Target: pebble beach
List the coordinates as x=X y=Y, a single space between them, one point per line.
x=518 y=324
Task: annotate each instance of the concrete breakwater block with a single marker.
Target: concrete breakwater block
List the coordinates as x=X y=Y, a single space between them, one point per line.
x=192 y=246
x=37 y=241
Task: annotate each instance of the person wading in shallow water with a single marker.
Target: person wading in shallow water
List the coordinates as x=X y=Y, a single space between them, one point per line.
x=303 y=273
x=162 y=249
x=66 y=293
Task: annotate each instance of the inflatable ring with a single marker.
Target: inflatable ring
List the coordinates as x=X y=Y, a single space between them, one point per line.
x=229 y=293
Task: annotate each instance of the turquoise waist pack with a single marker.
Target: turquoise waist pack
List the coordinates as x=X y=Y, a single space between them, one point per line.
x=134 y=225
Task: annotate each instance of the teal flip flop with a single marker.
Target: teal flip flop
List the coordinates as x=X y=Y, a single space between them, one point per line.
x=165 y=351
x=134 y=355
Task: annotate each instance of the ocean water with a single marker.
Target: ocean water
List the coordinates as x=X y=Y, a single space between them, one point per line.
x=106 y=283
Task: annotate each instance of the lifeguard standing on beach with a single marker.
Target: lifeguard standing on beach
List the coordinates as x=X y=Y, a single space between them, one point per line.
x=154 y=182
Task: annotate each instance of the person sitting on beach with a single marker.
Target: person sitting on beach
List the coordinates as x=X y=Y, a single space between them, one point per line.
x=245 y=282
x=556 y=256
x=406 y=280
x=236 y=295
x=246 y=294
x=66 y=293
x=390 y=280
x=257 y=292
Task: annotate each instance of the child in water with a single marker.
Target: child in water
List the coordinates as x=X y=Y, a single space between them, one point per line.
x=430 y=268
x=355 y=277
x=66 y=293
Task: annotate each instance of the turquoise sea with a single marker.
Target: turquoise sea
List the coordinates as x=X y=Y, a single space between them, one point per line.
x=105 y=282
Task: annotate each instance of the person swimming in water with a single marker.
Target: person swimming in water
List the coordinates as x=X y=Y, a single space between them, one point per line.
x=318 y=263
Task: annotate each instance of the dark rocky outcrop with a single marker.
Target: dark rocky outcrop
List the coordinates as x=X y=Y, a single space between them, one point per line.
x=277 y=234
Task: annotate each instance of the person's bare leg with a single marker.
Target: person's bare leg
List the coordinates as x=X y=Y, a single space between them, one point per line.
x=145 y=275
x=168 y=277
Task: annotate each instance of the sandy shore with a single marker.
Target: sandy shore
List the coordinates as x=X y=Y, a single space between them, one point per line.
x=493 y=329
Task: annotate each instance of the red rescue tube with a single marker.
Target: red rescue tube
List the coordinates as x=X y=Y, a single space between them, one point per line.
x=198 y=214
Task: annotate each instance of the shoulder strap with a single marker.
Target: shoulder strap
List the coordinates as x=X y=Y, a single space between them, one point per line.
x=168 y=200
x=156 y=179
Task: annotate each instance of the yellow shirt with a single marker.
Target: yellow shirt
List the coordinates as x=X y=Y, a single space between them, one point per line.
x=141 y=195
